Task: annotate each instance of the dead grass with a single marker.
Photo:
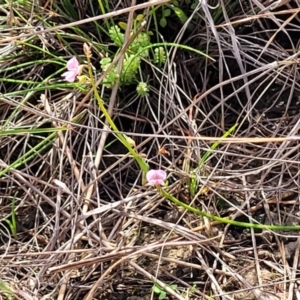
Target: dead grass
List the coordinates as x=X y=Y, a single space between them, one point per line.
x=87 y=229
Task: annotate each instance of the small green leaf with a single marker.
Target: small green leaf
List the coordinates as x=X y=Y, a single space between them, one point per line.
x=162 y=295
x=156 y=289
x=194 y=5
x=122 y=25
x=180 y=14
x=166 y=12
x=163 y=22
x=193 y=288
x=139 y=17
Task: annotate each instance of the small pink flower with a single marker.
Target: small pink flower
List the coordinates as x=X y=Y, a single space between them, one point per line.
x=73 y=70
x=156 y=177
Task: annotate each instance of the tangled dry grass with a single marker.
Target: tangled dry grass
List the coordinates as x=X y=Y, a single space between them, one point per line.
x=86 y=228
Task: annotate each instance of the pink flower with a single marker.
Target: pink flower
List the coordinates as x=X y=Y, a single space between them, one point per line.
x=73 y=70
x=156 y=177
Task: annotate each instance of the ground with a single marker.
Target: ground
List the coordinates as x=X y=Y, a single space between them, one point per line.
x=220 y=116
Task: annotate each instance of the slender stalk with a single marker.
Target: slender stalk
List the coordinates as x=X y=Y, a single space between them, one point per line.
x=143 y=165
x=226 y=220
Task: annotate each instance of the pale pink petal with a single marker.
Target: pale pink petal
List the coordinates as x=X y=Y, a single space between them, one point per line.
x=156 y=182
x=72 y=64
x=70 y=76
x=155 y=177
x=73 y=68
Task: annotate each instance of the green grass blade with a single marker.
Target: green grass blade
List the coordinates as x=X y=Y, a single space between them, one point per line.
x=30 y=154
x=30 y=131
x=215 y=145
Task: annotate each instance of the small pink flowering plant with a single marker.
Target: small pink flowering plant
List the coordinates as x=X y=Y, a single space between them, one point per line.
x=74 y=70
x=156 y=177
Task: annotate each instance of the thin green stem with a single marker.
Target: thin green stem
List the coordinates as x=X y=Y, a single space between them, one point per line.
x=226 y=220
x=143 y=165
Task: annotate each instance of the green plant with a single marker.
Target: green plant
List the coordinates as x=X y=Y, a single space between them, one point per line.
x=136 y=52
x=166 y=11
x=122 y=138
x=159 y=56
x=132 y=62
x=162 y=294
x=189 y=291
x=130 y=68
x=226 y=220
x=142 y=89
